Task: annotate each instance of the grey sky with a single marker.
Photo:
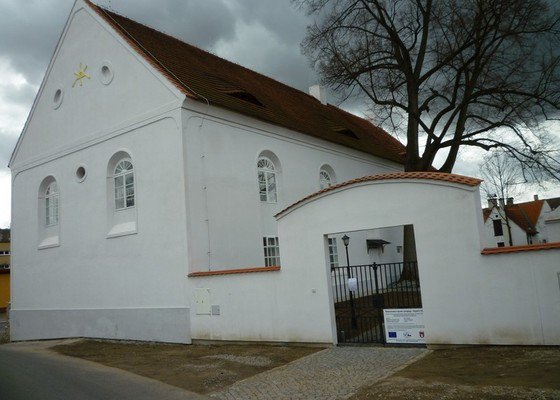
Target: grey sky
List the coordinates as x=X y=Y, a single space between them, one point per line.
x=263 y=35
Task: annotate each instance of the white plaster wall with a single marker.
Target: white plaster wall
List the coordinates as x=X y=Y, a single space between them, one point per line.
x=553 y=230
x=88 y=270
x=169 y=324
x=358 y=253
x=257 y=307
x=122 y=279
x=226 y=217
x=468 y=298
x=542 y=226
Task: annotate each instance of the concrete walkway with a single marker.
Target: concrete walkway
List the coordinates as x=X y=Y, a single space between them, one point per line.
x=334 y=373
x=30 y=372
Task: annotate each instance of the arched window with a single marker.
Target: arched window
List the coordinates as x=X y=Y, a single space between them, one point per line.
x=325 y=180
x=51 y=204
x=326 y=177
x=123 y=178
x=267 y=180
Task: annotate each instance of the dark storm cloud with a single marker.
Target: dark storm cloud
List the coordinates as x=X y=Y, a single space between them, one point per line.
x=7 y=144
x=212 y=23
x=29 y=30
x=200 y=23
x=28 y=33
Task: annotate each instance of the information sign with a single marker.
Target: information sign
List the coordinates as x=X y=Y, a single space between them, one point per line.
x=404 y=325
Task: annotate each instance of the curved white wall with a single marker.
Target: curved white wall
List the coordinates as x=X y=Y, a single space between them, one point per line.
x=468 y=298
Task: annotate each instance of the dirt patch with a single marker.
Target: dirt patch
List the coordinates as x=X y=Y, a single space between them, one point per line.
x=198 y=368
x=475 y=373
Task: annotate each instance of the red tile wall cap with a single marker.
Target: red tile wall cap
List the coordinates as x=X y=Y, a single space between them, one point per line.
x=519 y=249
x=434 y=176
x=233 y=271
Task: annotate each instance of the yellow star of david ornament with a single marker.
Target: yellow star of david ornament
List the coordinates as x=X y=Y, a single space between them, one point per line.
x=80 y=75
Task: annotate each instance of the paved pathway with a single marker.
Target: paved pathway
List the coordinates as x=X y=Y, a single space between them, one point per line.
x=334 y=373
x=29 y=372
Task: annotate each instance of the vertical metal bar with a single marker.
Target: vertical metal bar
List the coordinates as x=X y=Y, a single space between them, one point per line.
x=371 y=294
x=398 y=287
x=379 y=309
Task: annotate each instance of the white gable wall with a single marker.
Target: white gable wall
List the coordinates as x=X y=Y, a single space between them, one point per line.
x=88 y=111
x=90 y=284
x=518 y=235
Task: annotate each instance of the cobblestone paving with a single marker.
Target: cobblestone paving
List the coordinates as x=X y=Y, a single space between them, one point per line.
x=334 y=373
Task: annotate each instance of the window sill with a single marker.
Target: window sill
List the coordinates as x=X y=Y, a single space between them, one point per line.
x=125 y=229
x=49 y=242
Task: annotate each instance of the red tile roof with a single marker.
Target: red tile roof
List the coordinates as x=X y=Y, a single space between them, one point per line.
x=205 y=77
x=526 y=215
x=434 y=176
x=518 y=249
x=233 y=271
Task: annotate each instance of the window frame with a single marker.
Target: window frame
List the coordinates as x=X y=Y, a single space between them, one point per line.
x=52 y=204
x=271 y=251
x=333 y=252
x=498 y=231
x=325 y=177
x=124 y=186
x=267 y=176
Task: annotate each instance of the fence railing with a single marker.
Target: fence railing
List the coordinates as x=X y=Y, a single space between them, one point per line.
x=361 y=292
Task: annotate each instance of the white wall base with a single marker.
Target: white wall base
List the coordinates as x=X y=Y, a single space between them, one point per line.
x=151 y=324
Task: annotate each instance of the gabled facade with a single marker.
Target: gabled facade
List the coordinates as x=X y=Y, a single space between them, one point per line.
x=144 y=160
x=518 y=224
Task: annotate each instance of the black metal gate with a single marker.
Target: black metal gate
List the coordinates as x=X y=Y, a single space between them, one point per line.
x=361 y=292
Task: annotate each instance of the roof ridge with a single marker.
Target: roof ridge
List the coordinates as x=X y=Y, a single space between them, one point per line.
x=276 y=81
x=185 y=65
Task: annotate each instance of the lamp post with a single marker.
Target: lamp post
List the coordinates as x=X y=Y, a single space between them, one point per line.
x=346 y=241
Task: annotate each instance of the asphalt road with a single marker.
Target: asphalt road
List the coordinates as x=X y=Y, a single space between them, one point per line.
x=29 y=372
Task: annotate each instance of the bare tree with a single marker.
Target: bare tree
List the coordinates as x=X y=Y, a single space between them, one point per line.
x=449 y=73
x=503 y=178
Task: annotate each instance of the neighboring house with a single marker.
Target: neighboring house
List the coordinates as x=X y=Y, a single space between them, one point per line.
x=526 y=222
x=552 y=222
x=553 y=203
x=4 y=269
x=145 y=159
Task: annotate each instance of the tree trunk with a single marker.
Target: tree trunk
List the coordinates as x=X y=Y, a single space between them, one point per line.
x=410 y=269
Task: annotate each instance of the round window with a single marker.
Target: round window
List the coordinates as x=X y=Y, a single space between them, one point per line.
x=106 y=73
x=57 y=98
x=81 y=173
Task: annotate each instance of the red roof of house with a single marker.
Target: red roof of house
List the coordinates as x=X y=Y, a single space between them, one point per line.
x=434 y=176
x=207 y=78
x=525 y=215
